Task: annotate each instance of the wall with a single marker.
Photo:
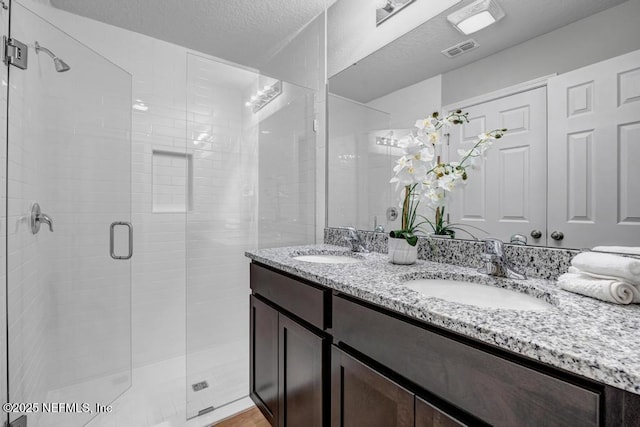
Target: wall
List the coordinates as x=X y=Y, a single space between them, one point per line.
x=411 y=103
x=601 y=36
x=353 y=34
x=357 y=166
x=302 y=62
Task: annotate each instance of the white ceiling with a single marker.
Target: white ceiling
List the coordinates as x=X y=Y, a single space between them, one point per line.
x=247 y=32
x=416 y=55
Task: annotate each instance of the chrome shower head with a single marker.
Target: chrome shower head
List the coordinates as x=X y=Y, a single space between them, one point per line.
x=60 y=65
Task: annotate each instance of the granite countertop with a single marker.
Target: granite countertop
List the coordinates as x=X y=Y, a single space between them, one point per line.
x=595 y=339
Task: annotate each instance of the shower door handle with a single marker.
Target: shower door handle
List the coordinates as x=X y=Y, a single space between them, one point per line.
x=112 y=240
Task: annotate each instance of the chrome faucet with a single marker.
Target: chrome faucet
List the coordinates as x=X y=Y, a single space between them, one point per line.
x=357 y=245
x=496 y=263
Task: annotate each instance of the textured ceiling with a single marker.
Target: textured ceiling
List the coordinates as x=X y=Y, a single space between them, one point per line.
x=243 y=31
x=416 y=55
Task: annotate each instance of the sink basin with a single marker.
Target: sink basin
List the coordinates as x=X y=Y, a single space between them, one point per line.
x=484 y=296
x=328 y=259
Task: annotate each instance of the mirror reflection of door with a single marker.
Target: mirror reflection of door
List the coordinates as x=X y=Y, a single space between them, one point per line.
x=506 y=194
x=594 y=134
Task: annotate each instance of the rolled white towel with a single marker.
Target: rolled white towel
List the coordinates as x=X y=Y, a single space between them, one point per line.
x=628 y=250
x=625 y=269
x=606 y=290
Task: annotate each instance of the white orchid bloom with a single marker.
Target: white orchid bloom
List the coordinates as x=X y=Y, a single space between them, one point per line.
x=426 y=124
x=408 y=172
x=434 y=195
x=447 y=182
x=433 y=137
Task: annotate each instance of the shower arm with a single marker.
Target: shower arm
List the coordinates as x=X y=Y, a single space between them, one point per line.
x=45 y=50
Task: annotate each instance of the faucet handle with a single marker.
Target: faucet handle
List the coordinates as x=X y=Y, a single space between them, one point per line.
x=494 y=247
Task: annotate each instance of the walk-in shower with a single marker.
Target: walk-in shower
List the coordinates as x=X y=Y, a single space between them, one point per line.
x=158 y=136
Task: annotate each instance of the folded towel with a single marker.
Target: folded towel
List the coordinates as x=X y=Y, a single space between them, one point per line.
x=628 y=250
x=575 y=270
x=625 y=269
x=606 y=290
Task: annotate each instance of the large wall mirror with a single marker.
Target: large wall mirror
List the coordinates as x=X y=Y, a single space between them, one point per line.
x=563 y=77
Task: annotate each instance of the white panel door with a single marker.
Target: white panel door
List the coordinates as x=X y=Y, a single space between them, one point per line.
x=506 y=194
x=594 y=153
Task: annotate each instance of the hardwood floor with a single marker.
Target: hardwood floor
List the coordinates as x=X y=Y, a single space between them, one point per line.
x=249 y=418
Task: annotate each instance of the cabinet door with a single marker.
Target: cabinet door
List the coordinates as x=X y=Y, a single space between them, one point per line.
x=264 y=359
x=301 y=398
x=594 y=138
x=428 y=415
x=361 y=396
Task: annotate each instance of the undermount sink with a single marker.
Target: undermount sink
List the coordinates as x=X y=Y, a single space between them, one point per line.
x=484 y=296
x=328 y=259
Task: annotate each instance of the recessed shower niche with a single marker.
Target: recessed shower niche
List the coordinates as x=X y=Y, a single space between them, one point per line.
x=172 y=175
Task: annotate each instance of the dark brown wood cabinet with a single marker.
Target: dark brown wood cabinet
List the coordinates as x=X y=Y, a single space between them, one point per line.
x=289 y=354
x=312 y=353
x=301 y=370
x=263 y=349
x=361 y=397
x=428 y=415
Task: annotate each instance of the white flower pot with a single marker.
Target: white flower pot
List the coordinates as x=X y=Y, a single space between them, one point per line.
x=401 y=252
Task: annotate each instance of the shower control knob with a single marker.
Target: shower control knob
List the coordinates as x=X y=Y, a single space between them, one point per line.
x=392 y=214
x=557 y=235
x=536 y=234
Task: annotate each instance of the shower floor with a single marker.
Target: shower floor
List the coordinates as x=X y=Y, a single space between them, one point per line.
x=158 y=395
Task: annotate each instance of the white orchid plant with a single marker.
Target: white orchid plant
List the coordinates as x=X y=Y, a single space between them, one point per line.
x=423 y=177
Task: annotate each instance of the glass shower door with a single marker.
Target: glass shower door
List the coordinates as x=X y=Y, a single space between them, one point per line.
x=69 y=290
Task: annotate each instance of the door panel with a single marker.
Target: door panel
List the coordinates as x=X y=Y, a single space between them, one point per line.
x=594 y=137
x=506 y=194
x=69 y=302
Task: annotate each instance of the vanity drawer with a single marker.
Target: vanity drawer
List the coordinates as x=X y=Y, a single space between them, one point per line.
x=304 y=300
x=496 y=390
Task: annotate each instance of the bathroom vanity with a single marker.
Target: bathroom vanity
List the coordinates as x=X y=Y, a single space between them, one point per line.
x=349 y=344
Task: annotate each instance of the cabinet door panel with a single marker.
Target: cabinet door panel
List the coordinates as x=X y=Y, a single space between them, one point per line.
x=264 y=359
x=301 y=372
x=363 y=397
x=428 y=415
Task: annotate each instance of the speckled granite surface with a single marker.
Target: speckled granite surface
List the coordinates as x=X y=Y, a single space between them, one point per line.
x=544 y=263
x=595 y=339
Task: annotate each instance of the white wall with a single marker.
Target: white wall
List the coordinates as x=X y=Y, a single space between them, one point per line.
x=411 y=103
x=356 y=164
x=601 y=36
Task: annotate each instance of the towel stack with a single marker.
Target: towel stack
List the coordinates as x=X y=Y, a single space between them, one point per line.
x=605 y=276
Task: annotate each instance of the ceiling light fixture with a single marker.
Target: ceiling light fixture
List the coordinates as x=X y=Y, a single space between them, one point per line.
x=476 y=16
x=264 y=96
x=387 y=141
x=385 y=9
